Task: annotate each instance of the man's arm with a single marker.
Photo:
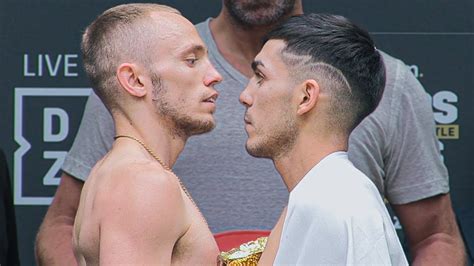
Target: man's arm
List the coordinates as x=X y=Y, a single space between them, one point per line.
x=54 y=239
x=273 y=242
x=93 y=140
x=416 y=179
x=432 y=231
x=141 y=226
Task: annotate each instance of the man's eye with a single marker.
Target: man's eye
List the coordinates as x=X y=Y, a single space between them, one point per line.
x=259 y=77
x=191 y=61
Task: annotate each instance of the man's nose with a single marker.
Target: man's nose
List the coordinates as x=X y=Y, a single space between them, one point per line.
x=212 y=76
x=245 y=98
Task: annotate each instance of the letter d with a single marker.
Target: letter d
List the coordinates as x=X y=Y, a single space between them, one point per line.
x=48 y=134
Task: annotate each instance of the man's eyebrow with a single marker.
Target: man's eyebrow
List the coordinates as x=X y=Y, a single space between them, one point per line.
x=193 y=48
x=257 y=63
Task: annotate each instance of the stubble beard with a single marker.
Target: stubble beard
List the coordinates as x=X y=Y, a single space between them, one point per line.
x=183 y=125
x=259 y=13
x=277 y=143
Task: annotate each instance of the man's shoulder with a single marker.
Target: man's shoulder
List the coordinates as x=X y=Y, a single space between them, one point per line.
x=138 y=196
x=341 y=192
x=203 y=27
x=141 y=209
x=399 y=76
x=135 y=183
x=391 y=63
x=147 y=174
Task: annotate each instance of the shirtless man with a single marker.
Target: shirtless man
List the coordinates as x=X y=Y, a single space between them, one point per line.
x=149 y=66
x=381 y=146
x=315 y=79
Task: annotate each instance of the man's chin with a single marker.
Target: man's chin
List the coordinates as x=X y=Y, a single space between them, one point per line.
x=257 y=151
x=201 y=127
x=203 y=130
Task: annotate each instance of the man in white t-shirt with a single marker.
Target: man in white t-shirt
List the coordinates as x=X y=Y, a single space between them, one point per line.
x=315 y=79
x=414 y=180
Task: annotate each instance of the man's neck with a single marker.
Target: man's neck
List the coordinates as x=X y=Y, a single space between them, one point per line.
x=307 y=152
x=154 y=134
x=237 y=44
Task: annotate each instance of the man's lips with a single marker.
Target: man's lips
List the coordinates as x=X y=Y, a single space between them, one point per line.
x=212 y=98
x=247 y=120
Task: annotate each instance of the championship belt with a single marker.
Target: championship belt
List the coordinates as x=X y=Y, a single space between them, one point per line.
x=246 y=254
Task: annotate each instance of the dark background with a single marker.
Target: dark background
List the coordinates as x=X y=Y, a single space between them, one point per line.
x=435 y=37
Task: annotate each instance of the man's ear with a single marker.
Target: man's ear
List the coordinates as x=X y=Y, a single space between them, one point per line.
x=131 y=80
x=308 y=96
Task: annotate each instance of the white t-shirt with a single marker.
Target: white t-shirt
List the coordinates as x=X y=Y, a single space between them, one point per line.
x=336 y=216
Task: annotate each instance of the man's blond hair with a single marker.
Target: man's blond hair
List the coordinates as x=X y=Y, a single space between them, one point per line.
x=122 y=33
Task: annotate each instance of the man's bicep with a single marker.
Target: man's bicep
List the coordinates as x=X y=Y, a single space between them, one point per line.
x=66 y=199
x=93 y=140
x=424 y=218
x=138 y=236
x=122 y=244
x=271 y=248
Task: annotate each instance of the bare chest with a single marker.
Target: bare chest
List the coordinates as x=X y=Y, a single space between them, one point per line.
x=197 y=246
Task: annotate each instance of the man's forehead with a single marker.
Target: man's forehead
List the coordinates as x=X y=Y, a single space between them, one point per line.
x=176 y=33
x=181 y=47
x=191 y=47
x=271 y=52
x=170 y=25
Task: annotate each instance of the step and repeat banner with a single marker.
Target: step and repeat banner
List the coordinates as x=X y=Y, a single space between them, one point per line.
x=43 y=88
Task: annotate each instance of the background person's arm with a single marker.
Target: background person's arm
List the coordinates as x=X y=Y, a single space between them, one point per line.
x=417 y=182
x=432 y=232
x=54 y=239
x=94 y=138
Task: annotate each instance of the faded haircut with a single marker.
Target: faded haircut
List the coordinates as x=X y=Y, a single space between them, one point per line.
x=121 y=33
x=341 y=57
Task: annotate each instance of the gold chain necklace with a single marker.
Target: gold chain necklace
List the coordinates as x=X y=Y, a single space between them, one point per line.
x=167 y=168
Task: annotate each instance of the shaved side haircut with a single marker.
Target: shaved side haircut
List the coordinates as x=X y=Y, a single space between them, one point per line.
x=341 y=57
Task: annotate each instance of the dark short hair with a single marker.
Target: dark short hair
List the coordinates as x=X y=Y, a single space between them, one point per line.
x=341 y=57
